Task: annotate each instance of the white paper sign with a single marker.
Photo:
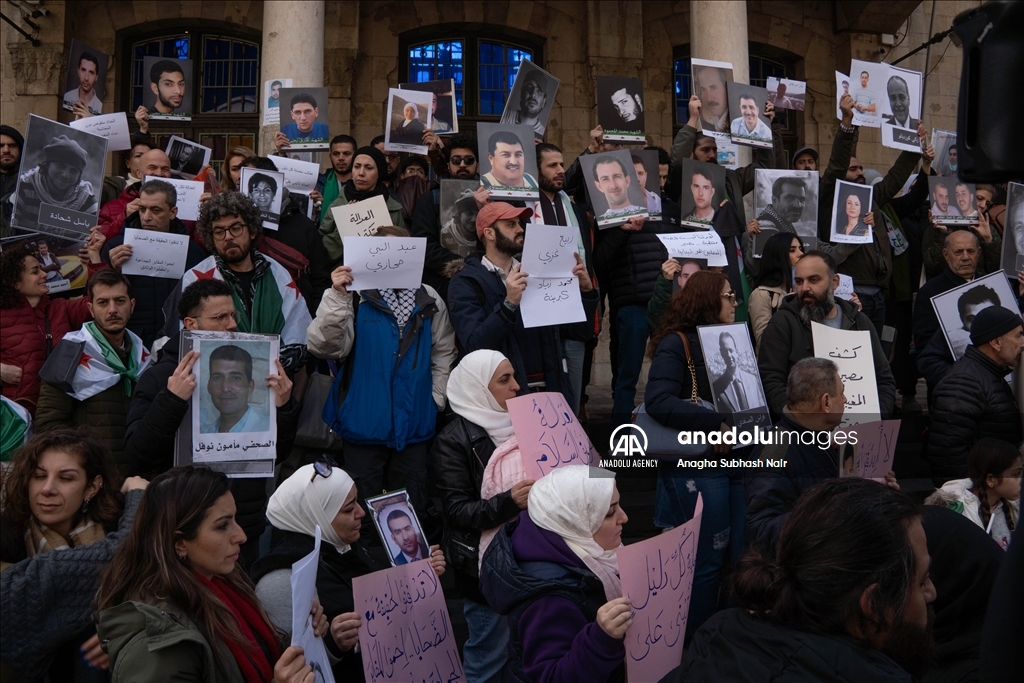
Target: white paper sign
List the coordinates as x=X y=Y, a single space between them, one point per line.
x=385 y=262
x=299 y=176
x=113 y=127
x=842 y=88
x=705 y=244
x=548 y=250
x=303 y=591
x=845 y=288
x=157 y=254
x=867 y=87
x=851 y=351
x=189 y=192
x=361 y=219
x=552 y=301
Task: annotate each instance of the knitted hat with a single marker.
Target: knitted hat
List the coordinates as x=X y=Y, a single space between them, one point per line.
x=64 y=150
x=992 y=322
x=378 y=159
x=496 y=211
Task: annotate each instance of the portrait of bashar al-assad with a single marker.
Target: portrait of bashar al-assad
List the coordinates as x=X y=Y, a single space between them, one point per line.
x=230 y=386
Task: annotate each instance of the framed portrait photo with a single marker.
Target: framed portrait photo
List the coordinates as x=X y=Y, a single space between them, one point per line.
x=399 y=527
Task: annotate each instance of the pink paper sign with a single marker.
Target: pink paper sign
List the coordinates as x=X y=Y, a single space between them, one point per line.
x=548 y=433
x=406 y=634
x=874 y=451
x=657 y=577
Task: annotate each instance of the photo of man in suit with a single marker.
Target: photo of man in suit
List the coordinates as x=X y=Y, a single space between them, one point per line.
x=736 y=389
x=899 y=103
x=407 y=537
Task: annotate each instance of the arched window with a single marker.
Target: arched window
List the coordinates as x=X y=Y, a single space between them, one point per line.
x=482 y=60
x=226 y=73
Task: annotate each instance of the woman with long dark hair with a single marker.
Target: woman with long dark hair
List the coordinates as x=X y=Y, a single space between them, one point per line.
x=64 y=512
x=175 y=604
x=774 y=281
x=677 y=376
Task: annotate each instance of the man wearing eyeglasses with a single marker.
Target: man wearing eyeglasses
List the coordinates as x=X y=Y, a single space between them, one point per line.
x=267 y=299
x=426 y=217
x=162 y=397
x=157 y=212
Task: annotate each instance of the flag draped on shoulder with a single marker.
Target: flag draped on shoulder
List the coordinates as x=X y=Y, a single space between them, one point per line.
x=99 y=366
x=277 y=305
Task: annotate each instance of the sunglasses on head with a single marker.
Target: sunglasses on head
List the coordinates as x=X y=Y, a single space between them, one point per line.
x=324 y=466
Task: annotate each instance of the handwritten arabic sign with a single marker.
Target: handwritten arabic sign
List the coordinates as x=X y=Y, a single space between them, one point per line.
x=657 y=577
x=873 y=453
x=157 y=254
x=406 y=634
x=113 y=127
x=705 y=244
x=299 y=176
x=552 y=301
x=845 y=288
x=850 y=350
x=303 y=581
x=548 y=433
x=385 y=262
x=189 y=192
x=548 y=250
x=361 y=219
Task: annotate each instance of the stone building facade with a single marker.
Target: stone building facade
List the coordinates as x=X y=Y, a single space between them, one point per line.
x=360 y=49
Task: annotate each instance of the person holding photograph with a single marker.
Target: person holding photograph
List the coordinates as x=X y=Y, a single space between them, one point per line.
x=304 y=127
x=57 y=180
x=167 y=81
x=532 y=100
x=329 y=183
x=324 y=495
x=175 y=604
x=88 y=75
x=748 y=124
x=508 y=162
x=855 y=224
x=114 y=214
x=410 y=130
x=674 y=275
x=554 y=573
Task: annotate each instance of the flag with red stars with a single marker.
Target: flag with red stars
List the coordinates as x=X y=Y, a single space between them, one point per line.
x=100 y=369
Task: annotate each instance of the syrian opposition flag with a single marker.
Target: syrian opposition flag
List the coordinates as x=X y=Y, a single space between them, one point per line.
x=277 y=306
x=100 y=367
x=15 y=427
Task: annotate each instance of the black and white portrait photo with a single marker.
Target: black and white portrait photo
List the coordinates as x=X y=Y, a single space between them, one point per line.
x=957 y=308
x=850 y=206
x=702 y=193
x=1013 y=233
x=444 y=118
x=408 y=118
x=61 y=178
x=86 y=77
x=266 y=190
x=532 y=97
x=187 y=158
x=169 y=95
x=786 y=201
x=901 y=106
x=458 y=215
x=620 y=108
x=232 y=388
x=399 y=527
x=508 y=160
x=953 y=202
x=613 y=187
x=749 y=126
x=733 y=375
x=709 y=79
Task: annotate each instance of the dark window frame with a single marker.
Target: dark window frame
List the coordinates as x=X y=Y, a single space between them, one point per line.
x=471 y=34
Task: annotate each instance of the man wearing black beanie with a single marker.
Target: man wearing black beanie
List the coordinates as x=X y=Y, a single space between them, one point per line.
x=973 y=400
x=11 y=144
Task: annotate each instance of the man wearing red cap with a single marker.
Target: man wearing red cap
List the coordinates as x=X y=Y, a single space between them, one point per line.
x=484 y=297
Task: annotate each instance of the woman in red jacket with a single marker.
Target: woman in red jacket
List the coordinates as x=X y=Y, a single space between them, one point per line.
x=31 y=323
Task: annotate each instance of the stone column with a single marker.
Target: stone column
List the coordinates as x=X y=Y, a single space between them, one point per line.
x=718 y=31
x=293 y=47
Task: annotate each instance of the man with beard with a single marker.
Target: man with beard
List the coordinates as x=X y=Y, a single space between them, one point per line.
x=508 y=162
x=965 y=201
x=392 y=159
x=532 y=100
x=941 y=206
x=629 y=106
x=267 y=299
x=167 y=81
x=845 y=595
x=274 y=101
x=410 y=544
x=612 y=180
x=484 y=298
x=788 y=338
x=107 y=365
x=230 y=386
x=462 y=164
x=330 y=182
x=899 y=103
x=788 y=198
x=88 y=73
x=748 y=124
x=459 y=232
x=57 y=180
x=11 y=144
x=710 y=82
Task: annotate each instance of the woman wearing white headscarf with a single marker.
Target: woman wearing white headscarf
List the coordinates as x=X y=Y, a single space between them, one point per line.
x=478 y=389
x=321 y=495
x=554 y=573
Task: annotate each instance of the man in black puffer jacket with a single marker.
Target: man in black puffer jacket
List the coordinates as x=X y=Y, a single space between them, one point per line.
x=973 y=401
x=161 y=400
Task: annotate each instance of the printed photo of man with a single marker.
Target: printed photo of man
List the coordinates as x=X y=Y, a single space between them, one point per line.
x=702 y=189
x=748 y=125
x=508 y=162
x=88 y=75
x=458 y=233
x=653 y=198
x=304 y=127
x=57 y=180
x=940 y=201
x=899 y=103
x=966 y=203
x=167 y=81
x=274 y=101
x=789 y=195
x=613 y=181
x=714 y=101
x=865 y=99
x=407 y=537
x=736 y=389
x=968 y=306
x=532 y=100
x=629 y=105
x=230 y=386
